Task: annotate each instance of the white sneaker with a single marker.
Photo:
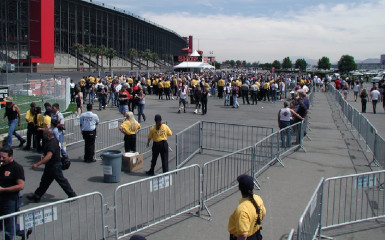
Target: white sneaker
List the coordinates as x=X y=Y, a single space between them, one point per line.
x=172 y=98
x=199 y=111
x=196 y=111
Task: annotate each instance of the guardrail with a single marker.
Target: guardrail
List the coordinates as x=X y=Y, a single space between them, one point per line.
x=188 y=143
x=141 y=204
x=374 y=142
x=341 y=201
x=81 y=217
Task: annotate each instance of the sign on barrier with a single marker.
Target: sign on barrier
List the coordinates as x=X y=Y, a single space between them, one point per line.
x=38 y=217
x=160 y=183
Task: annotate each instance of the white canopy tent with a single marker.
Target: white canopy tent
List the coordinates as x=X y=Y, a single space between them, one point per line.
x=194 y=65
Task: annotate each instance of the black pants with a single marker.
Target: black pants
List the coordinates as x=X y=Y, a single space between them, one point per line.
x=256 y=236
x=204 y=107
x=39 y=137
x=374 y=103
x=54 y=173
x=30 y=135
x=245 y=94
x=162 y=149
x=363 y=104
x=220 y=92
x=89 y=145
x=130 y=143
x=254 y=97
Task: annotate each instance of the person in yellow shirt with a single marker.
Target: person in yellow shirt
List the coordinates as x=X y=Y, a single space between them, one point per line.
x=266 y=91
x=149 y=86
x=221 y=84
x=158 y=134
x=38 y=121
x=29 y=116
x=160 y=89
x=246 y=221
x=167 y=89
x=155 y=85
x=129 y=127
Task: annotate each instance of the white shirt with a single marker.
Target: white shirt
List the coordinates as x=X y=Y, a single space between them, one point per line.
x=375 y=94
x=284 y=114
x=88 y=121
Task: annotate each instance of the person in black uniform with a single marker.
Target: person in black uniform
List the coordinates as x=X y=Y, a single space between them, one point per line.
x=88 y=122
x=11 y=183
x=204 y=100
x=52 y=170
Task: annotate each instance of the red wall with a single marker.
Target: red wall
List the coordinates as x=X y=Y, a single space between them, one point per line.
x=41 y=34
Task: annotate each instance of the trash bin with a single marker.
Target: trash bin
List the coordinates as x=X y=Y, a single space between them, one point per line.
x=112 y=165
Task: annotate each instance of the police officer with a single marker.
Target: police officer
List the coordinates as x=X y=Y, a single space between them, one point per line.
x=52 y=170
x=159 y=134
x=11 y=183
x=88 y=122
x=57 y=116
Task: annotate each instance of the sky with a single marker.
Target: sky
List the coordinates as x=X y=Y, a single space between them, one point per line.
x=267 y=30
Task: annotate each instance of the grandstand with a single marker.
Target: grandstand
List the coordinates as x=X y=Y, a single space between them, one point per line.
x=40 y=35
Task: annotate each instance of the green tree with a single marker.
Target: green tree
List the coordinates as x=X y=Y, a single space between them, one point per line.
x=266 y=66
x=110 y=54
x=154 y=58
x=77 y=47
x=217 y=65
x=324 y=63
x=300 y=64
x=146 y=54
x=276 y=64
x=102 y=50
x=90 y=49
x=347 y=64
x=232 y=63
x=286 y=63
x=132 y=53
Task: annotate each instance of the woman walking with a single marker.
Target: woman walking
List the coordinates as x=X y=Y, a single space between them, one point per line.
x=364 y=99
x=129 y=127
x=141 y=97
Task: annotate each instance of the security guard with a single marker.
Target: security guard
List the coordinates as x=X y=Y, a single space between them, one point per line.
x=246 y=221
x=158 y=134
x=88 y=122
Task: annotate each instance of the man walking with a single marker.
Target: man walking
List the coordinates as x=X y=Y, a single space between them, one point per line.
x=52 y=170
x=12 y=112
x=88 y=122
x=11 y=183
x=57 y=116
x=159 y=134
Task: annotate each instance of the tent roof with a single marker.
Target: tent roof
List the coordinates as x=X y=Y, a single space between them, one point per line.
x=194 y=65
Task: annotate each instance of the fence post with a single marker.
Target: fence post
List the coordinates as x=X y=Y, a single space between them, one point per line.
x=201 y=136
x=176 y=151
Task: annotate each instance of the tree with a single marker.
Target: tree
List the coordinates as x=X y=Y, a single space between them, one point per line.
x=217 y=65
x=102 y=50
x=154 y=58
x=77 y=47
x=286 y=63
x=146 y=54
x=266 y=66
x=324 y=63
x=276 y=64
x=90 y=49
x=301 y=64
x=347 y=64
x=132 y=53
x=110 y=54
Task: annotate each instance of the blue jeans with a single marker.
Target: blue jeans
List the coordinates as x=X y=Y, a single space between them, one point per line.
x=140 y=112
x=61 y=137
x=112 y=98
x=102 y=101
x=227 y=100
x=11 y=131
x=285 y=134
x=91 y=96
x=274 y=95
x=9 y=207
x=235 y=101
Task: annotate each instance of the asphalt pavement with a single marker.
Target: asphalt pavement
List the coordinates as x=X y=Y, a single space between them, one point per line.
x=285 y=190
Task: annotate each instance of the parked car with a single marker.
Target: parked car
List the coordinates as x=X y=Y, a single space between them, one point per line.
x=380 y=77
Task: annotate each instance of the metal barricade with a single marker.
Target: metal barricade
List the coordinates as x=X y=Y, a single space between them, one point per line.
x=356 y=119
x=309 y=225
x=188 y=143
x=73 y=132
x=220 y=175
x=266 y=152
x=228 y=137
x=379 y=151
x=81 y=217
x=353 y=198
x=108 y=134
x=291 y=235
x=289 y=138
x=371 y=136
x=150 y=201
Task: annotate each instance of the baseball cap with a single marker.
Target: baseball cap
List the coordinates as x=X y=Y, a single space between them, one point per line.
x=246 y=182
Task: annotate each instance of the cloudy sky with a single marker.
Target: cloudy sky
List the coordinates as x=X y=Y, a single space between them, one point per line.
x=268 y=30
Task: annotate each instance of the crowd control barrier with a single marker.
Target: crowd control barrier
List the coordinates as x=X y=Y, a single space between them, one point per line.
x=150 y=201
x=310 y=222
x=220 y=175
x=374 y=142
x=223 y=137
x=341 y=201
x=81 y=217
